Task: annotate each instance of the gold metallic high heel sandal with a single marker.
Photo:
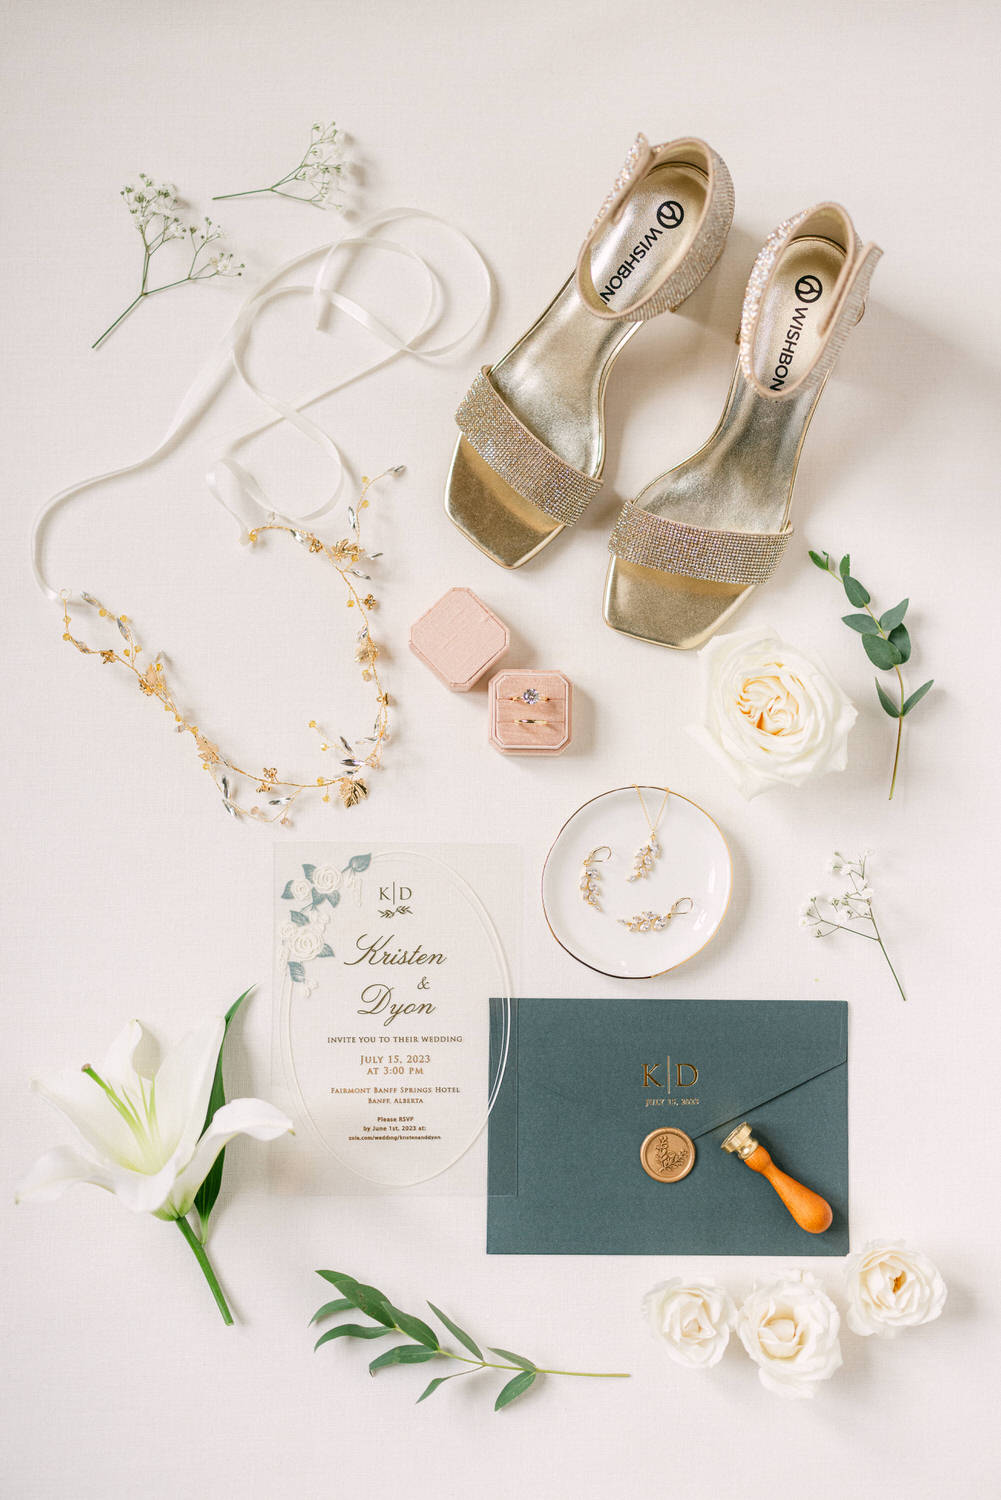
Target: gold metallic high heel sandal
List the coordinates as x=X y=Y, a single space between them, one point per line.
x=532 y=443
x=696 y=541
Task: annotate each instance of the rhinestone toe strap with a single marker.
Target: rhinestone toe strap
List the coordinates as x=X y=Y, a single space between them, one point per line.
x=524 y=462
x=739 y=557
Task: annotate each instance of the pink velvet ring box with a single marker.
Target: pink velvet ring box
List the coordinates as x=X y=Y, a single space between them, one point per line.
x=459 y=639
x=531 y=713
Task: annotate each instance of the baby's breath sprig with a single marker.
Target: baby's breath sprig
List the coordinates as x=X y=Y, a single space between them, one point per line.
x=153 y=208
x=885 y=640
x=314 y=175
x=825 y=915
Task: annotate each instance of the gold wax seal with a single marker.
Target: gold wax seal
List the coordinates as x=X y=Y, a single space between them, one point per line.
x=667 y=1155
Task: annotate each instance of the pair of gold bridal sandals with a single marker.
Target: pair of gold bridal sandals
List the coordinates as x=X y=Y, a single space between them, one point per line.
x=698 y=539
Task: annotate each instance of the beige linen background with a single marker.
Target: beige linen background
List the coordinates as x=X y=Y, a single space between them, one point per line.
x=128 y=892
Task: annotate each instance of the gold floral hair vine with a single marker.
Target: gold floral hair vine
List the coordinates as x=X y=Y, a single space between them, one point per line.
x=232 y=780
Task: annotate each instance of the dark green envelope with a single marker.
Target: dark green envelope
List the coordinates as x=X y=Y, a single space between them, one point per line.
x=565 y=1133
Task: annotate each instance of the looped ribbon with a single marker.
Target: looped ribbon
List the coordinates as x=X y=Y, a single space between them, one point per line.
x=229 y=481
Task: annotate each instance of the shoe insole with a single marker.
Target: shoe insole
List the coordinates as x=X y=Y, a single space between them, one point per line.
x=742 y=478
x=554 y=377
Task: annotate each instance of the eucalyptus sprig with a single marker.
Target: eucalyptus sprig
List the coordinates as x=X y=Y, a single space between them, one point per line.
x=424 y=1344
x=885 y=640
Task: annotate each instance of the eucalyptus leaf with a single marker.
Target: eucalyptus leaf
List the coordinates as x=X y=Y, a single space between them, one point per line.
x=864 y=624
x=881 y=653
x=821 y=560
x=465 y=1339
x=516 y=1359
x=206 y=1196
x=892 y=617
x=916 y=696
x=514 y=1388
x=891 y=708
x=414 y=1328
x=857 y=595
x=368 y=1299
x=845 y=566
x=351 y=1331
x=902 y=641
x=403 y=1354
x=340 y=1304
x=429 y=1390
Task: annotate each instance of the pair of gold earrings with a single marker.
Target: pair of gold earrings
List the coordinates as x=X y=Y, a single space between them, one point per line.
x=643 y=862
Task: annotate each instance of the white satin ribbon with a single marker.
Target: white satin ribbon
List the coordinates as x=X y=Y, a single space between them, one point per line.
x=230 y=482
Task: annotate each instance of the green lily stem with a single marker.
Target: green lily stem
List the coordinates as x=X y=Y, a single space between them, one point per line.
x=198 y=1250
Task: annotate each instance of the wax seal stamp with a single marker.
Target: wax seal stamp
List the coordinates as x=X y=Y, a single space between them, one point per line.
x=667 y=1155
x=811 y=1212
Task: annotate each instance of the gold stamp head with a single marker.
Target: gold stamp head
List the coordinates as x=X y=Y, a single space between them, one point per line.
x=740 y=1141
x=667 y=1155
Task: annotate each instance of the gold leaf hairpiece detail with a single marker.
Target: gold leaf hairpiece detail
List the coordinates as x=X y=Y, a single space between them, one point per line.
x=232 y=780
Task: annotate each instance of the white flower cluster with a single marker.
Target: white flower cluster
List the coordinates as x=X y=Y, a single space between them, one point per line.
x=321 y=165
x=854 y=904
x=790 y=1327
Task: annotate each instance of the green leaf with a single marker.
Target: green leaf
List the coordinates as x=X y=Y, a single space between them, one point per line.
x=514 y=1388
x=429 y=1390
x=916 y=696
x=516 y=1359
x=326 y=951
x=299 y=918
x=414 y=1328
x=822 y=560
x=206 y=1196
x=332 y=897
x=341 y=1305
x=845 y=566
x=893 y=616
x=857 y=595
x=864 y=624
x=465 y=1339
x=296 y=971
x=351 y=1331
x=888 y=703
x=287 y=892
x=882 y=654
x=358 y=863
x=403 y=1354
x=902 y=641
x=368 y=1299
x=308 y=871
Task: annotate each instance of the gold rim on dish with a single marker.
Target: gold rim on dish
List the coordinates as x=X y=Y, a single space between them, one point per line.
x=658 y=973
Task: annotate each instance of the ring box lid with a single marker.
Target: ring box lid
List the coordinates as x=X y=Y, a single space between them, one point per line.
x=459 y=639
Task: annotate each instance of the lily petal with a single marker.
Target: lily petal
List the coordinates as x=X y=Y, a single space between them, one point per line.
x=101 y=1128
x=118 y=1069
x=253 y=1117
x=56 y=1171
x=183 y=1085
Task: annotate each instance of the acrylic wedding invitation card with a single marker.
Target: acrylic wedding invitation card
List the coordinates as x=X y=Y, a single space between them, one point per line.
x=390 y=963
x=588 y=1082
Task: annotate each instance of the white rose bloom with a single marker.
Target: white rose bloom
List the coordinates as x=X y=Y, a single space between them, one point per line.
x=771 y=715
x=303 y=943
x=790 y=1330
x=326 y=879
x=891 y=1287
x=694 y=1320
x=300 y=889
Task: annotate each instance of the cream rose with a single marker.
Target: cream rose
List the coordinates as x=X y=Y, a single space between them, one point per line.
x=771 y=715
x=302 y=943
x=299 y=890
x=891 y=1287
x=790 y=1330
x=326 y=879
x=693 y=1318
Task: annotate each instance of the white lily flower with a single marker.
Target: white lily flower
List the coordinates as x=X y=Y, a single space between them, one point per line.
x=144 y=1138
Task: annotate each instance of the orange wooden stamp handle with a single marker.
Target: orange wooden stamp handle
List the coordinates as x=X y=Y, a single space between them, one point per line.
x=811 y=1212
